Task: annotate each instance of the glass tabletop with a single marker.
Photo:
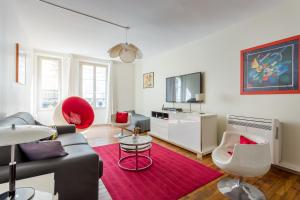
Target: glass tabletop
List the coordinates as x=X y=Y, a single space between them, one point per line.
x=136 y=140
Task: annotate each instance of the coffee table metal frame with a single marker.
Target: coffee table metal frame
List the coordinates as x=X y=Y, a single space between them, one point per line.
x=135 y=149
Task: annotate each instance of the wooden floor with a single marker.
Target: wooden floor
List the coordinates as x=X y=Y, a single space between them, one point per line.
x=276 y=184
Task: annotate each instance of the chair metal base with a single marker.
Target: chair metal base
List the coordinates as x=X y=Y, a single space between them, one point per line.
x=21 y=194
x=234 y=189
x=121 y=135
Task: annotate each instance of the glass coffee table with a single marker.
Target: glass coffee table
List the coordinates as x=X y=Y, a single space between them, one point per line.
x=134 y=146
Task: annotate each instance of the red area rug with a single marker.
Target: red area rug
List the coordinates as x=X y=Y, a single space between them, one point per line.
x=171 y=175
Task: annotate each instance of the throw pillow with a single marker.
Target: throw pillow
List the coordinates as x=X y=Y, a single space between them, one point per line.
x=43 y=150
x=121 y=117
x=244 y=140
x=75 y=118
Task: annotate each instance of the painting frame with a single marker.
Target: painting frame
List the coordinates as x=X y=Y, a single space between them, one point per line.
x=148 y=80
x=21 y=59
x=294 y=65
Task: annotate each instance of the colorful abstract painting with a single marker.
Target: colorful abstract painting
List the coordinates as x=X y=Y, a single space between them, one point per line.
x=271 y=68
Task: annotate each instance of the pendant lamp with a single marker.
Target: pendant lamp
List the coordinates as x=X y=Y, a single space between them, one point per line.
x=127 y=52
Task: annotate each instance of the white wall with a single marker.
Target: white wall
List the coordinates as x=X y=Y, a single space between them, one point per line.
x=218 y=55
x=1 y=57
x=124 y=86
x=15 y=97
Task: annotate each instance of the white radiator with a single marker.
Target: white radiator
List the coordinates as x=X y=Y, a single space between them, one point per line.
x=269 y=129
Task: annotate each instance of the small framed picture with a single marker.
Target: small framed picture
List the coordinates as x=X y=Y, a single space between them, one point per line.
x=148 y=80
x=20 y=65
x=271 y=68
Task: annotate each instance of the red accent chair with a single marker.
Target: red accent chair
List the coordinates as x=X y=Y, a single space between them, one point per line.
x=77 y=111
x=121 y=124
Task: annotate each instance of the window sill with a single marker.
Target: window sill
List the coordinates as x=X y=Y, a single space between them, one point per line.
x=99 y=108
x=46 y=110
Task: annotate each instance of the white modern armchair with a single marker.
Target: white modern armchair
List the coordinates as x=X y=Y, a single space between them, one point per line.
x=121 y=125
x=243 y=160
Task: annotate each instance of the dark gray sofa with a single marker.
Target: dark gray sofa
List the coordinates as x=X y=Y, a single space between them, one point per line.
x=140 y=121
x=76 y=175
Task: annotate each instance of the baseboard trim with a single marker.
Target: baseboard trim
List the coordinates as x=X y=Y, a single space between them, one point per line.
x=99 y=125
x=289 y=167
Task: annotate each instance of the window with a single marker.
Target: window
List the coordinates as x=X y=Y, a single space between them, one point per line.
x=94 y=83
x=49 y=82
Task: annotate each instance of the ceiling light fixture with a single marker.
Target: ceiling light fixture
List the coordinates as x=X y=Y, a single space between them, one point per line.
x=127 y=52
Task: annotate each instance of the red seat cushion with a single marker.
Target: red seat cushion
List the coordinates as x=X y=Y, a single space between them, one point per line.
x=244 y=140
x=121 y=117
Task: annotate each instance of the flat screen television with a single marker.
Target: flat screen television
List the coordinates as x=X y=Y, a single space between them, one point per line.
x=184 y=89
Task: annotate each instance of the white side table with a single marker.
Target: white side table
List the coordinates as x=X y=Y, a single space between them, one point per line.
x=43 y=185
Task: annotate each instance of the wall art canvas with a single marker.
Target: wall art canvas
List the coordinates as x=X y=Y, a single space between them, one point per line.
x=20 y=65
x=271 y=68
x=148 y=80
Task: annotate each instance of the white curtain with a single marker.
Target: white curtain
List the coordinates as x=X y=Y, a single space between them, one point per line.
x=73 y=76
x=111 y=103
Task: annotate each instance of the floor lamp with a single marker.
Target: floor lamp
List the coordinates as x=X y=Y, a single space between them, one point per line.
x=11 y=136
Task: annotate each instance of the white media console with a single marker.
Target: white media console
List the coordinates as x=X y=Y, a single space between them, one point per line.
x=192 y=131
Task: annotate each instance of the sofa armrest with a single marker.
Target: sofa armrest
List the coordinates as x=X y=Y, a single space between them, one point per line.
x=63 y=129
x=143 y=124
x=29 y=169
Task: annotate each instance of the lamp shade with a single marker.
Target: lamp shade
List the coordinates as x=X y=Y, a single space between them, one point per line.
x=23 y=134
x=127 y=55
x=127 y=52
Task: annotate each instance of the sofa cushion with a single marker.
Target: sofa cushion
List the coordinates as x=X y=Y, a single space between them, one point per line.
x=71 y=139
x=42 y=150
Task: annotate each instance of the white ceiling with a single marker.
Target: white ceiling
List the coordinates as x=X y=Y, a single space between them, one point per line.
x=156 y=25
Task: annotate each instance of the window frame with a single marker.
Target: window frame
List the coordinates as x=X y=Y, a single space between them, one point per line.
x=39 y=81
x=95 y=65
